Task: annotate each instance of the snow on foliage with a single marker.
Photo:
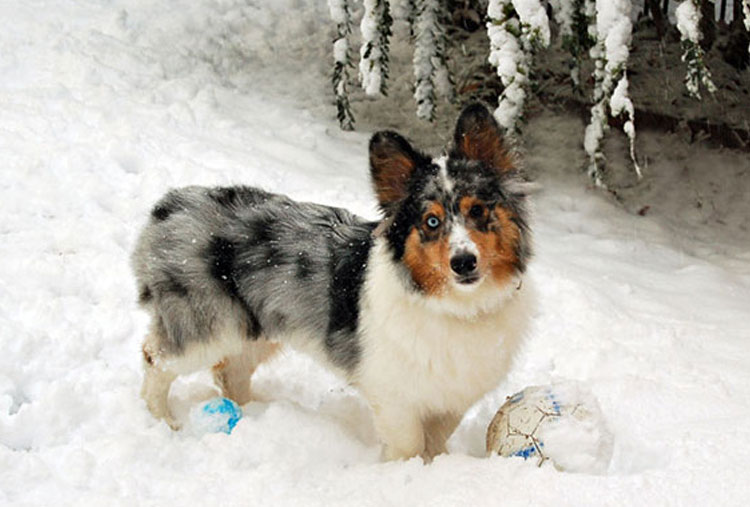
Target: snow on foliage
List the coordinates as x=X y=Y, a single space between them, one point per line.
x=404 y=9
x=572 y=16
x=341 y=15
x=516 y=29
x=563 y=12
x=613 y=29
x=746 y=10
x=430 y=70
x=376 y=32
x=688 y=19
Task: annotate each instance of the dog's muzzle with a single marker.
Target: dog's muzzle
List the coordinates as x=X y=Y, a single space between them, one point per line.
x=464 y=265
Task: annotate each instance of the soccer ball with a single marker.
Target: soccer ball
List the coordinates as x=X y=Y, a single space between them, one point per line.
x=561 y=423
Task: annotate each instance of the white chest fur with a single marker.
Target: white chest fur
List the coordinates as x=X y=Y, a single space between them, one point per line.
x=438 y=355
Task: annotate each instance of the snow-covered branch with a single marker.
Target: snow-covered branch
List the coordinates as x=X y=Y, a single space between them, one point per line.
x=613 y=30
x=430 y=70
x=376 y=32
x=746 y=11
x=573 y=18
x=688 y=21
x=516 y=28
x=341 y=15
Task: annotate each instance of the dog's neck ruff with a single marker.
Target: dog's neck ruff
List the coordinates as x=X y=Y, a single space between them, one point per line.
x=457 y=301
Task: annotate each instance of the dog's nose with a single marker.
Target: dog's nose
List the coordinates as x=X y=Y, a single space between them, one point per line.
x=464 y=263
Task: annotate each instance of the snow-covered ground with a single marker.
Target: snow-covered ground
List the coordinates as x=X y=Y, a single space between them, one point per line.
x=106 y=104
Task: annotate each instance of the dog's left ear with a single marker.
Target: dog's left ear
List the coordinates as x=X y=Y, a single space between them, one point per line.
x=479 y=137
x=392 y=163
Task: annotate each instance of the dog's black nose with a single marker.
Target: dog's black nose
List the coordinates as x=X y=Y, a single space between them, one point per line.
x=464 y=263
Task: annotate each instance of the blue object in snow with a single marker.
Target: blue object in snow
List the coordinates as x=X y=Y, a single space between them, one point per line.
x=216 y=415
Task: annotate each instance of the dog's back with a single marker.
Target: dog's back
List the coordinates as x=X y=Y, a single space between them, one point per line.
x=258 y=263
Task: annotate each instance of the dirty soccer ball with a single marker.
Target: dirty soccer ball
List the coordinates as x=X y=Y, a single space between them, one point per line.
x=560 y=422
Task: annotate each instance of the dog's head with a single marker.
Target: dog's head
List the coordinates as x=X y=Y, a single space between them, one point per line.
x=456 y=222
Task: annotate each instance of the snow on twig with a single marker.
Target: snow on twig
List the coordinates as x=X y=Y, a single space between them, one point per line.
x=612 y=29
x=573 y=19
x=376 y=32
x=341 y=14
x=688 y=20
x=516 y=29
x=430 y=69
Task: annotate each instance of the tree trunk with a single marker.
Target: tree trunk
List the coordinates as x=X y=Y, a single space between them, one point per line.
x=735 y=52
x=652 y=6
x=707 y=25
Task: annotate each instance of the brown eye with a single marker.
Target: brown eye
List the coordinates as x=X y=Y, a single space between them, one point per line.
x=432 y=222
x=476 y=211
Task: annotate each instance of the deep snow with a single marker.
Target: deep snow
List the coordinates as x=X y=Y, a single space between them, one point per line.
x=106 y=104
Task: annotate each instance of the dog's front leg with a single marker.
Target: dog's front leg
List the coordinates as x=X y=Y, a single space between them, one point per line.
x=437 y=429
x=400 y=430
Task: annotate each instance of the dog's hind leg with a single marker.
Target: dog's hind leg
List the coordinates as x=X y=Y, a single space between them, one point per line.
x=232 y=374
x=156 y=380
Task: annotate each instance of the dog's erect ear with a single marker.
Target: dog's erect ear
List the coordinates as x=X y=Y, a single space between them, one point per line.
x=392 y=162
x=479 y=137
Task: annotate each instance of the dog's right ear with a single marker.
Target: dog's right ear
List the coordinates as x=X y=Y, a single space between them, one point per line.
x=479 y=137
x=392 y=162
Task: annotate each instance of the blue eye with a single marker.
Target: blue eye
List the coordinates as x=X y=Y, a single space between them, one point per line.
x=432 y=222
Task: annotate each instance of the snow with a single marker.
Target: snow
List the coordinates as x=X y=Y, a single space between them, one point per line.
x=614 y=30
x=512 y=41
x=340 y=47
x=579 y=441
x=106 y=104
x=338 y=11
x=563 y=11
x=430 y=72
x=533 y=13
x=688 y=18
x=371 y=51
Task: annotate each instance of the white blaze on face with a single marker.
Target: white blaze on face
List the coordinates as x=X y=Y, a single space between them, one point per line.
x=443 y=177
x=460 y=241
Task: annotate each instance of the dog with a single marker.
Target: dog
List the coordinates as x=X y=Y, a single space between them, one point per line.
x=421 y=311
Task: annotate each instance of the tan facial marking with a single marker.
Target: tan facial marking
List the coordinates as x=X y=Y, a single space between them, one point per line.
x=497 y=246
x=467 y=203
x=428 y=260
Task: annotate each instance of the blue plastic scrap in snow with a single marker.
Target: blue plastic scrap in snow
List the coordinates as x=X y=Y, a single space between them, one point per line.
x=224 y=413
x=526 y=452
